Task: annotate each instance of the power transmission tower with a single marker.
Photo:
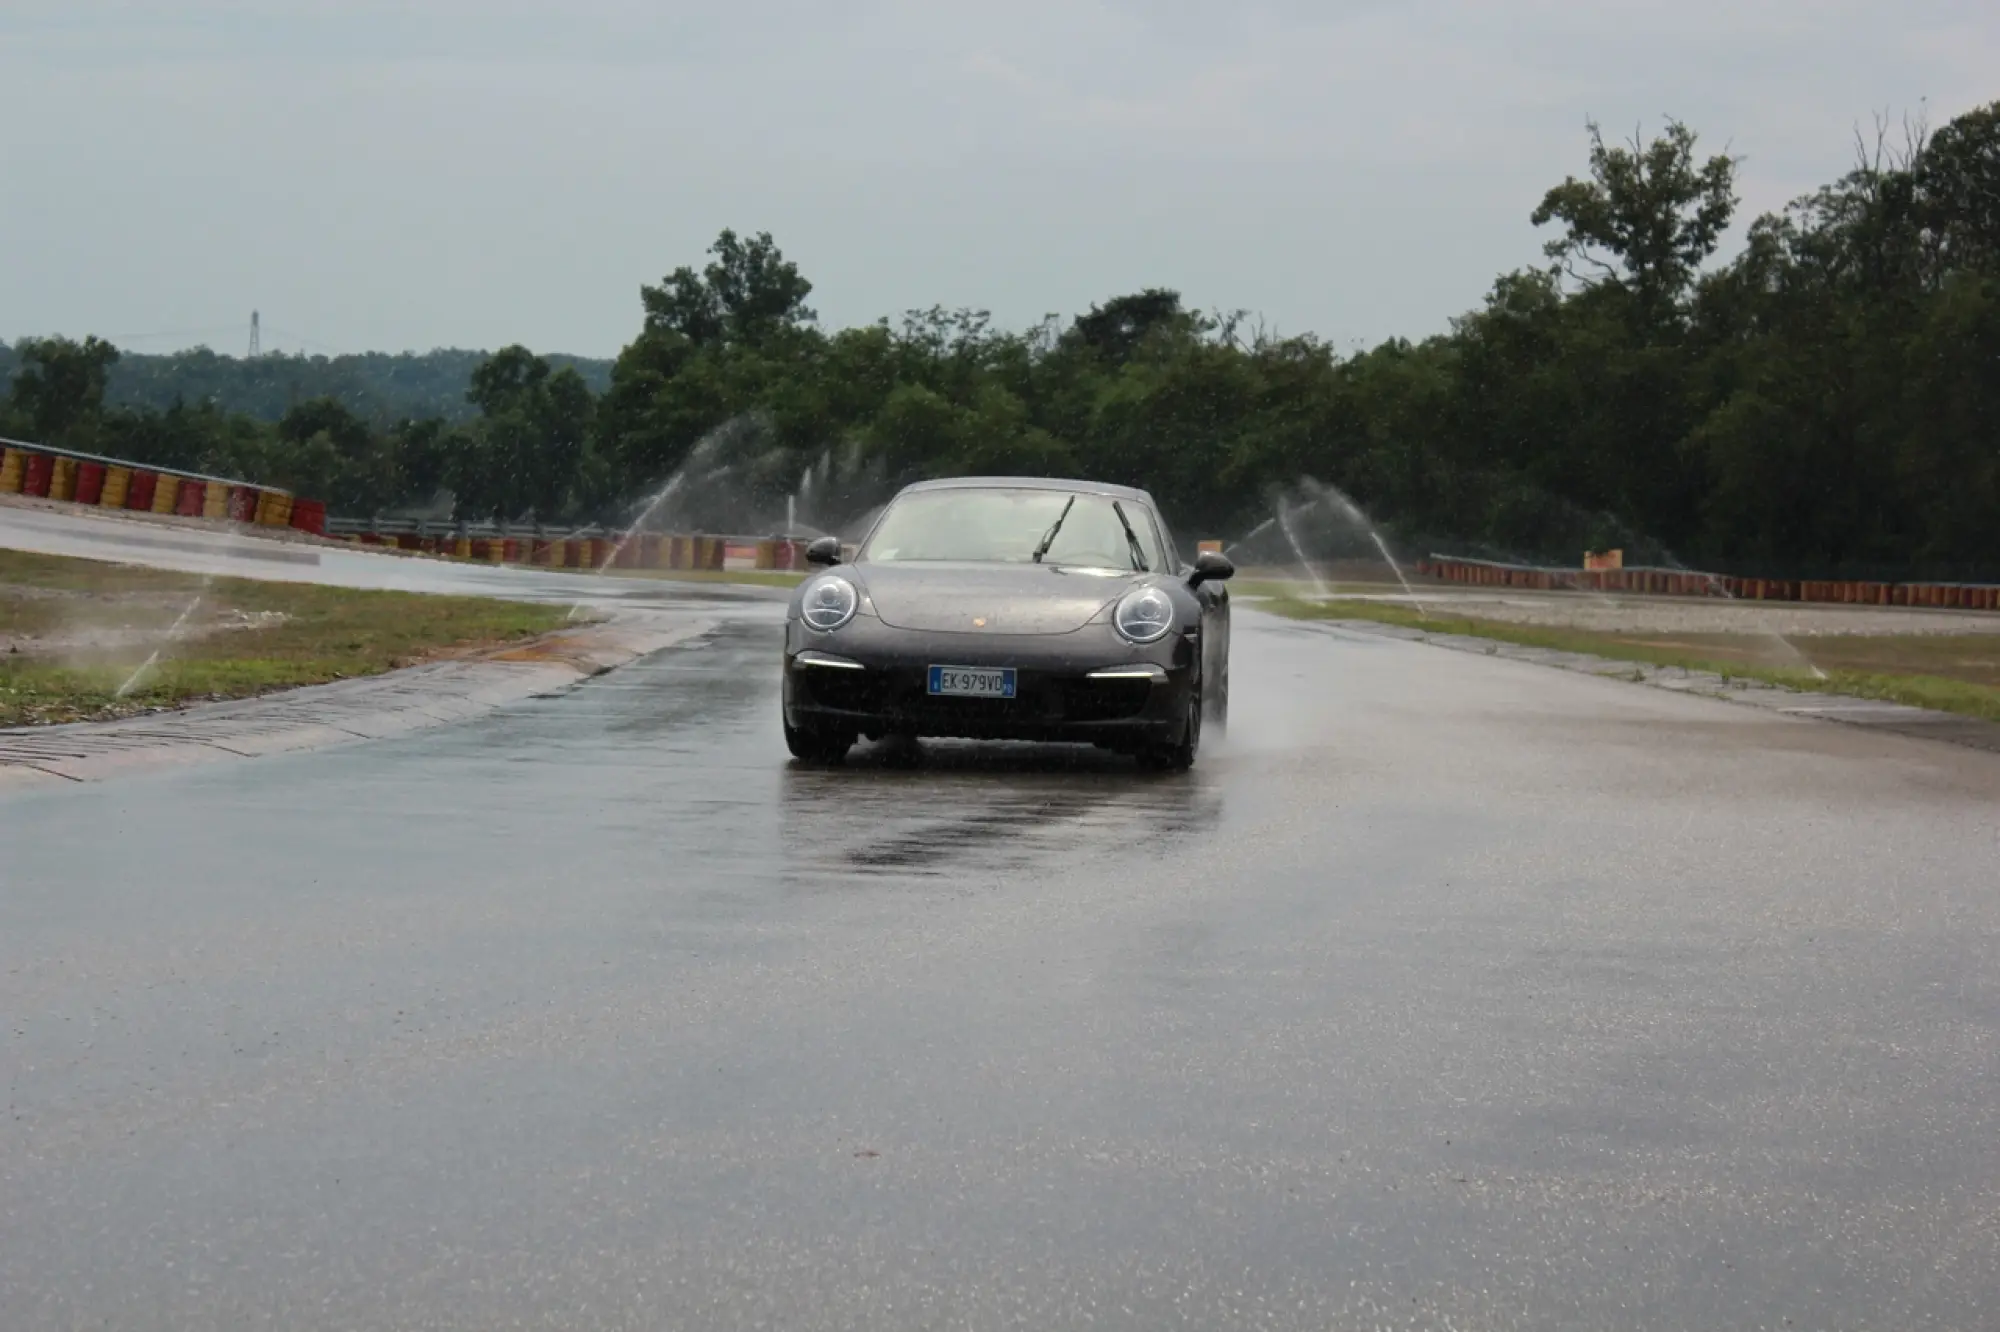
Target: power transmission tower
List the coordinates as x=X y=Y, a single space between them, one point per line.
x=256 y=338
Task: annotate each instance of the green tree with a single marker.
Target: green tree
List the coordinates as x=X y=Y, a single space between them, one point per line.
x=1117 y=329
x=1957 y=180
x=59 y=388
x=1824 y=400
x=1647 y=219
x=525 y=453
x=748 y=293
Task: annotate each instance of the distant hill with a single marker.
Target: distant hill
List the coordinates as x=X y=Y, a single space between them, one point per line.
x=377 y=386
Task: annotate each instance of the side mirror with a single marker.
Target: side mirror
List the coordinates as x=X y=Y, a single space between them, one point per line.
x=1211 y=566
x=824 y=550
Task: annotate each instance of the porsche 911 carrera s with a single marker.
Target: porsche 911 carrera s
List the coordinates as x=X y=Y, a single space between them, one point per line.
x=1010 y=609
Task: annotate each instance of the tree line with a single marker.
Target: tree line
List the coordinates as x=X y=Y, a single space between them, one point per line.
x=1826 y=400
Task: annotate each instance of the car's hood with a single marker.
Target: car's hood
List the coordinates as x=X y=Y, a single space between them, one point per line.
x=989 y=598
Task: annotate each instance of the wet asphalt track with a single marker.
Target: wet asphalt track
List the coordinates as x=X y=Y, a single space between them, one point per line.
x=1445 y=993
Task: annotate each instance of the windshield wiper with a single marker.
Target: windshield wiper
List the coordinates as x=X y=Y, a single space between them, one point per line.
x=1131 y=538
x=1049 y=537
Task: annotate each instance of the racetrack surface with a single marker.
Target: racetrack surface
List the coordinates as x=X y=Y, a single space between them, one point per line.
x=1446 y=992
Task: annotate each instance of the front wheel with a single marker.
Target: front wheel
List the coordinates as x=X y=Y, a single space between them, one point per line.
x=816 y=745
x=1218 y=702
x=1178 y=755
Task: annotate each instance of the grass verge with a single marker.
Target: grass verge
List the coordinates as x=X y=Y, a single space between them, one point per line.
x=72 y=632
x=1957 y=673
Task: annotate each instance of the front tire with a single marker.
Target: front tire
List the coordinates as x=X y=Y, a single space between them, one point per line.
x=819 y=746
x=1178 y=755
x=1218 y=702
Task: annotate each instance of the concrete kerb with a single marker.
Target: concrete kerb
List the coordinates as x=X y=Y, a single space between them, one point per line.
x=369 y=708
x=1898 y=718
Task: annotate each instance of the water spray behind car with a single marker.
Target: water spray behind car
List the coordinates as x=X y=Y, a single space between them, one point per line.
x=737 y=480
x=1346 y=506
x=1320 y=524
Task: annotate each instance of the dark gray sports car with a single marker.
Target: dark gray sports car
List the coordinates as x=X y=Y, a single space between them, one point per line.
x=1010 y=609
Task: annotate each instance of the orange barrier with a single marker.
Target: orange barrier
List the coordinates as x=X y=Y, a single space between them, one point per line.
x=581 y=553
x=1690 y=583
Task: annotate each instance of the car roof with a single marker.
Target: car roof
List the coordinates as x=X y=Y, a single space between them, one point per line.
x=1029 y=483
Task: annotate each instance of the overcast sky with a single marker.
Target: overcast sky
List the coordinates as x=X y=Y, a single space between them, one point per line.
x=476 y=172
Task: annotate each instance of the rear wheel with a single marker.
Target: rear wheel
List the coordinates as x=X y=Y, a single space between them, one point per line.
x=824 y=746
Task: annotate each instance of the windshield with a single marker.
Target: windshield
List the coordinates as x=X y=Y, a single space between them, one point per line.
x=1008 y=526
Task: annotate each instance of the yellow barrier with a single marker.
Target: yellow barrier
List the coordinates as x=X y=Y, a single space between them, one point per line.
x=274 y=509
x=62 y=481
x=13 y=470
x=117 y=485
x=215 y=500
x=166 y=493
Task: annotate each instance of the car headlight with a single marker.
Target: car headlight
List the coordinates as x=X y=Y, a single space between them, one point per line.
x=829 y=603
x=1144 y=616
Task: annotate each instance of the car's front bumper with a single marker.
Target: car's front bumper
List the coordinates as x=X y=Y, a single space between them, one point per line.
x=1090 y=685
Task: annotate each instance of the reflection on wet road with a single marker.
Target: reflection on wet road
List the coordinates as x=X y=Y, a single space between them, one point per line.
x=1445 y=992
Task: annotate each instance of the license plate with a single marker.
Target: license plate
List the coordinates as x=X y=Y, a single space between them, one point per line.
x=973 y=681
